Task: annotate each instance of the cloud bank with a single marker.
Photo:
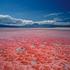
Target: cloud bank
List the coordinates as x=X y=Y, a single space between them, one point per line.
x=11 y=21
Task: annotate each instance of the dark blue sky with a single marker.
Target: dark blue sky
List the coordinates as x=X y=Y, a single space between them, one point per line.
x=33 y=9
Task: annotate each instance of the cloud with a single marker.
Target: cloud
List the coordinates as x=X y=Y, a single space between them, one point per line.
x=53 y=14
x=8 y=20
x=53 y=22
x=59 y=18
x=46 y=22
x=11 y=21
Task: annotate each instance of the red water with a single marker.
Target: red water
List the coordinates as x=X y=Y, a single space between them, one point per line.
x=34 y=49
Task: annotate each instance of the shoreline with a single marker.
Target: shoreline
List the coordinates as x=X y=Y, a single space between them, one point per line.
x=19 y=29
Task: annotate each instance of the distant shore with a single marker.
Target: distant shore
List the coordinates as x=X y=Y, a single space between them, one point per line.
x=57 y=28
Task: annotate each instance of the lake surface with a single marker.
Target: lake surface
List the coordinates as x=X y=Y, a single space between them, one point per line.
x=34 y=49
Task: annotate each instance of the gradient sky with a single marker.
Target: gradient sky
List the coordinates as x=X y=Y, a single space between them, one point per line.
x=33 y=9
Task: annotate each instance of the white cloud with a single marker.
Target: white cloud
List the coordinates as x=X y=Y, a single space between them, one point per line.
x=53 y=14
x=46 y=22
x=9 y=20
x=6 y=19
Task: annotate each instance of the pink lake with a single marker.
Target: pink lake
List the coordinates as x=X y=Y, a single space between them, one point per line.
x=34 y=49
